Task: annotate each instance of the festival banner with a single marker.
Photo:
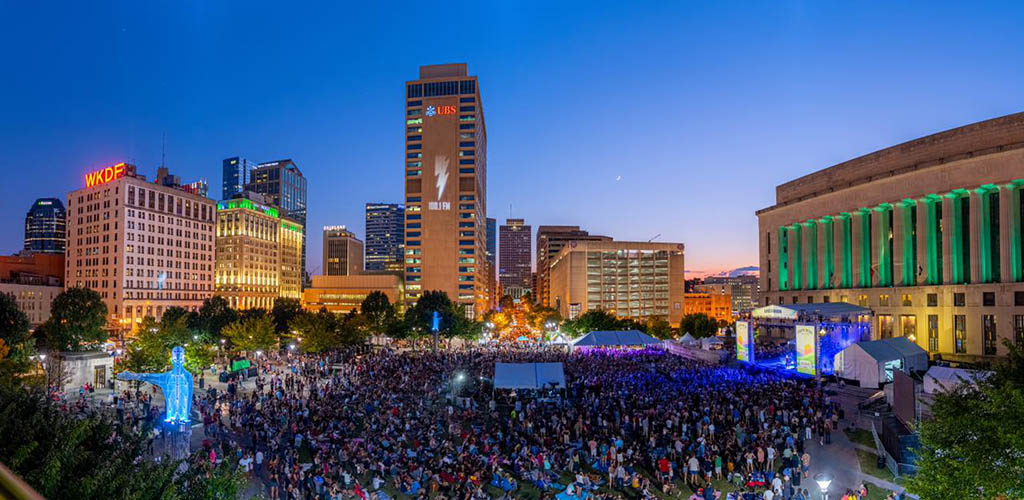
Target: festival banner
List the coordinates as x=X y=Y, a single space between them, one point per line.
x=744 y=352
x=806 y=350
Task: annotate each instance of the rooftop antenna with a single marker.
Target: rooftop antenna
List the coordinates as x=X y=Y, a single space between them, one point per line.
x=654 y=238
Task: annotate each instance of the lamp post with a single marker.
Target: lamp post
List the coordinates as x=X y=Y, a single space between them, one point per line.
x=823 y=480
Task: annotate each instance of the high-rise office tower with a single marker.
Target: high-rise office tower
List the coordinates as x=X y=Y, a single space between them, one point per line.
x=343 y=252
x=45 y=229
x=283 y=184
x=237 y=173
x=550 y=241
x=514 y=258
x=492 y=262
x=492 y=240
x=385 y=237
x=445 y=186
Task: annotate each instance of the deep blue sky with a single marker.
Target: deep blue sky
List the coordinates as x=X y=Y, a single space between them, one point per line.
x=701 y=108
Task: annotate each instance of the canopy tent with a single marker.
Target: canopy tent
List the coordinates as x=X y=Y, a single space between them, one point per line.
x=559 y=340
x=707 y=342
x=625 y=338
x=943 y=378
x=529 y=375
x=687 y=339
x=872 y=363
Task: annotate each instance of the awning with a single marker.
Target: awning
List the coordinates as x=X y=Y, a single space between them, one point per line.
x=822 y=310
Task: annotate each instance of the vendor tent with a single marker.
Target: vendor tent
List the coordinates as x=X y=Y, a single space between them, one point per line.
x=528 y=375
x=687 y=339
x=706 y=343
x=943 y=378
x=872 y=363
x=626 y=338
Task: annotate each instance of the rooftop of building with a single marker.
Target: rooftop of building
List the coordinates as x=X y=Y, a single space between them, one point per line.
x=443 y=70
x=382 y=279
x=969 y=141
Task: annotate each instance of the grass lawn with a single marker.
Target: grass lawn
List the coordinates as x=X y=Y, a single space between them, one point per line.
x=861 y=436
x=869 y=465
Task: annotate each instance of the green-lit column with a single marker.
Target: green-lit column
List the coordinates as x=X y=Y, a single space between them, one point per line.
x=829 y=262
x=811 y=280
x=1016 y=259
x=884 y=245
x=909 y=217
x=864 y=280
x=933 y=205
x=846 y=227
x=783 y=264
x=960 y=251
x=988 y=257
x=798 y=257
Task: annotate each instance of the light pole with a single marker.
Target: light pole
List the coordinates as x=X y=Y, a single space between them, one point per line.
x=823 y=480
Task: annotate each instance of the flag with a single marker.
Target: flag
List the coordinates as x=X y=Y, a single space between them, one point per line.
x=359 y=492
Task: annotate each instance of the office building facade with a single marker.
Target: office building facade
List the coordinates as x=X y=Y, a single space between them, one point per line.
x=252 y=241
x=45 y=226
x=342 y=252
x=144 y=247
x=637 y=280
x=550 y=241
x=714 y=304
x=237 y=172
x=33 y=300
x=385 y=237
x=344 y=294
x=745 y=290
x=445 y=186
x=283 y=185
x=927 y=234
x=514 y=238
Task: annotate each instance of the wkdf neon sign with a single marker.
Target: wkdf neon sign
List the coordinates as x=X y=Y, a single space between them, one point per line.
x=104 y=175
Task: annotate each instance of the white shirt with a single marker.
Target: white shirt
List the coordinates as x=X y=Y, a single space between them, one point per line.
x=769 y=495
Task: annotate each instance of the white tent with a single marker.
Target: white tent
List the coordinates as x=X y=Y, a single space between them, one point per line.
x=872 y=363
x=528 y=375
x=707 y=342
x=687 y=339
x=943 y=378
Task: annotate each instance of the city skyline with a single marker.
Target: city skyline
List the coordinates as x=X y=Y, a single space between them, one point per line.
x=715 y=125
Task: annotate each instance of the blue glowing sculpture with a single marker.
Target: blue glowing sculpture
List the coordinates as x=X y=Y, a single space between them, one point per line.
x=176 y=385
x=436 y=323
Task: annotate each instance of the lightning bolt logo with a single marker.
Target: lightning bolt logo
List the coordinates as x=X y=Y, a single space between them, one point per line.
x=441 y=172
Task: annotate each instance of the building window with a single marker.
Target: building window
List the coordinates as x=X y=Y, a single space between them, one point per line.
x=907 y=301
x=862 y=300
x=908 y=326
x=933 y=300
x=988 y=299
x=933 y=333
x=885 y=326
x=959 y=299
x=826 y=299
x=988 y=329
x=796 y=300
x=1018 y=298
x=1018 y=330
x=883 y=300
x=959 y=333
x=810 y=299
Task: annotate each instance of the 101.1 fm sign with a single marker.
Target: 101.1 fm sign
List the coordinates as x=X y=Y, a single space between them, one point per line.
x=105 y=175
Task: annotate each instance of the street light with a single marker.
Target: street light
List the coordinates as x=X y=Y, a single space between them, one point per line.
x=823 y=480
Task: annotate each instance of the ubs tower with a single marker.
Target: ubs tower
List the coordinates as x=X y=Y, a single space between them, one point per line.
x=446 y=187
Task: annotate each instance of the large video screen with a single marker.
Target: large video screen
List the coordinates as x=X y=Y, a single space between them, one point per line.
x=806 y=349
x=743 y=343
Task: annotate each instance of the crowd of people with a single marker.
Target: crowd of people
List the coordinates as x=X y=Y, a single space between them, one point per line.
x=372 y=424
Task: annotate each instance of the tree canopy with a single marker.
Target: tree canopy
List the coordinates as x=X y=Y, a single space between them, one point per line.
x=284 y=311
x=973 y=444
x=699 y=325
x=78 y=318
x=251 y=334
x=214 y=315
x=595 y=320
x=378 y=311
x=18 y=346
x=151 y=350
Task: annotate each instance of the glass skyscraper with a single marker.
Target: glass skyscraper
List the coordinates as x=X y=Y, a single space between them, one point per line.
x=45 y=230
x=237 y=173
x=385 y=236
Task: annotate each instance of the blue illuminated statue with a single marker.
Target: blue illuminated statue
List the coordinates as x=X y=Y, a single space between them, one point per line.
x=436 y=323
x=176 y=385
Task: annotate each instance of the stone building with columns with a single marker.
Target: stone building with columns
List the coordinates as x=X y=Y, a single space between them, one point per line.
x=926 y=233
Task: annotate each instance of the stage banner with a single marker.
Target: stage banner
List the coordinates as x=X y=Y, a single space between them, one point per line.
x=744 y=342
x=806 y=349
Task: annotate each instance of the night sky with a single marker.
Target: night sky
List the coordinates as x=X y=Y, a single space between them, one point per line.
x=630 y=119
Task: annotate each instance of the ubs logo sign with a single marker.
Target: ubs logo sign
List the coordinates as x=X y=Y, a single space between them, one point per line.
x=440 y=110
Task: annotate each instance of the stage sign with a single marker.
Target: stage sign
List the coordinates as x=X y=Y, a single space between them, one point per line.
x=744 y=344
x=806 y=349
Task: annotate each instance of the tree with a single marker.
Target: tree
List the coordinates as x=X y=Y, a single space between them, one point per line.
x=378 y=311
x=658 y=328
x=699 y=325
x=252 y=334
x=64 y=456
x=318 y=331
x=151 y=349
x=214 y=315
x=15 y=337
x=420 y=317
x=78 y=318
x=285 y=310
x=593 y=320
x=972 y=444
